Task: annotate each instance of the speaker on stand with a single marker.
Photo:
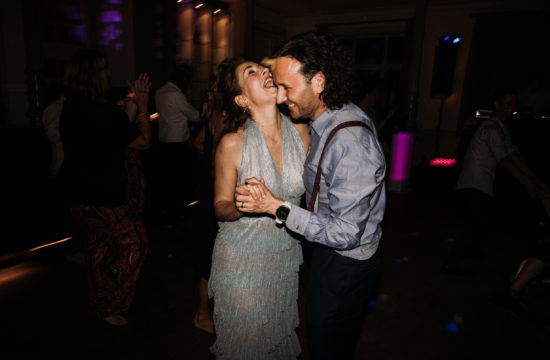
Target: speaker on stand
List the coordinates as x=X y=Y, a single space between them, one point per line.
x=443 y=74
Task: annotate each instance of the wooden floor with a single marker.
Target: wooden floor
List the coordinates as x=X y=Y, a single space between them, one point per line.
x=421 y=312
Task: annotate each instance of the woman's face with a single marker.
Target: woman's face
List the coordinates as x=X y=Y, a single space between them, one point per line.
x=256 y=83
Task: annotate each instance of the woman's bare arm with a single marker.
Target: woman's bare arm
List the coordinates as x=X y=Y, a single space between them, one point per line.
x=226 y=168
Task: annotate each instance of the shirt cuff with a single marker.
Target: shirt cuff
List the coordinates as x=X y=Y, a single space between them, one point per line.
x=297 y=220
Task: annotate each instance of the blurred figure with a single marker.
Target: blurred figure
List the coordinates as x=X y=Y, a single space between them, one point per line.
x=367 y=97
x=50 y=121
x=209 y=102
x=491 y=145
x=516 y=297
x=536 y=262
x=65 y=224
x=174 y=149
x=205 y=226
x=98 y=180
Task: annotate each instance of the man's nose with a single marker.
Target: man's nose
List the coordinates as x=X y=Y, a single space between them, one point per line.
x=281 y=95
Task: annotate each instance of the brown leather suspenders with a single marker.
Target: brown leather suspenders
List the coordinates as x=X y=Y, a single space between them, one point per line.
x=316 y=184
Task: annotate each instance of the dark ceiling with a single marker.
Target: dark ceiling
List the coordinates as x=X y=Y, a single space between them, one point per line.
x=305 y=7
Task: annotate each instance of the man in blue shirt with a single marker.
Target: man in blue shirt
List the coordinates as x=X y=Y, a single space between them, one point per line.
x=312 y=73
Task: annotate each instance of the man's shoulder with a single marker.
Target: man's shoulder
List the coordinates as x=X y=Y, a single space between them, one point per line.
x=489 y=127
x=351 y=112
x=167 y=92
x=354 y=131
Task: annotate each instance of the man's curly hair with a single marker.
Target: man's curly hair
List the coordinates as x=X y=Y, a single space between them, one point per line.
x=322 y=53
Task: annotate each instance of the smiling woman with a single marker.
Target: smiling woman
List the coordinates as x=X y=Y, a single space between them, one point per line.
x=254 y=275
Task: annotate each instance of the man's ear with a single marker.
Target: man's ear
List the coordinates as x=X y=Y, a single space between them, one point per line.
x=241 y=101
x=318 y=82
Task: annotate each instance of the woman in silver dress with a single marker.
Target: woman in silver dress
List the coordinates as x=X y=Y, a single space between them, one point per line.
x=254 y=276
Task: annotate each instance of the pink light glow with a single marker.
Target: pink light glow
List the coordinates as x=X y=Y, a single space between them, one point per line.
x=401 y=156
x=442 y=162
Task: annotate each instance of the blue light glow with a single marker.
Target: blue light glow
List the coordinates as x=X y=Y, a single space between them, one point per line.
x=457 y=40
x=447 y=38
x=452 y=327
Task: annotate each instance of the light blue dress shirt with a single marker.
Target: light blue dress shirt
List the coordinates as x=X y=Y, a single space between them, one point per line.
x=352 y=195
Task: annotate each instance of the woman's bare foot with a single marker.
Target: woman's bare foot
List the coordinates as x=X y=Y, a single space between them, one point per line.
x=204 y=322
x=116 y=320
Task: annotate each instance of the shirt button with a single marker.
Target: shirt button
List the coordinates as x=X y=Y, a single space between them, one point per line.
x=298 y=227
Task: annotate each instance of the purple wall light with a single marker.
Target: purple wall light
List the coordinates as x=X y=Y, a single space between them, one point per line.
x=401 y=158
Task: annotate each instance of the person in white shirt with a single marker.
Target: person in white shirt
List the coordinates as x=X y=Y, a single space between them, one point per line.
x=174 y=150
x=174 y=109
x=491 y=145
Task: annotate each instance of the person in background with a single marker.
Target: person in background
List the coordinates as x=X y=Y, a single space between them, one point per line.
x=96 y=178
x=205 y=227
x=50 y=122
x=65 y=225
x=174 y=149
x=367 y=99
x=491 y=145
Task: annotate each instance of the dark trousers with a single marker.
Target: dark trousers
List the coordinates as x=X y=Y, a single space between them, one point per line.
x=340 y=288
x=175 y=178
x=475 y=215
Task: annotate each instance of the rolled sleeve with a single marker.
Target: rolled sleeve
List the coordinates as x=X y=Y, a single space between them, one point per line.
x=297 y=220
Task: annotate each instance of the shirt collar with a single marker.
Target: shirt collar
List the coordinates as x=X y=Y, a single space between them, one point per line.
x=172 y=85
x=325 y=120
x=322 y=122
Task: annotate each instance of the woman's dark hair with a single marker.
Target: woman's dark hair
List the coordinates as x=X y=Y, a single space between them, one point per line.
x=228 y=89
x=83 y=74
x=322 y=53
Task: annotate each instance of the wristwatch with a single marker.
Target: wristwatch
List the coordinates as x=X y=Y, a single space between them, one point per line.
x=282 y=212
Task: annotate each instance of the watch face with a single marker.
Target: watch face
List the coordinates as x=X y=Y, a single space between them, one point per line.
x=282 y=212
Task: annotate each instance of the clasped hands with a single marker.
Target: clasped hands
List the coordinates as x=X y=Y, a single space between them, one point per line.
x=254 y=197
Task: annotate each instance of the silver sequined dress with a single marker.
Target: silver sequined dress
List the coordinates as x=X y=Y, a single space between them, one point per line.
x=254 y=276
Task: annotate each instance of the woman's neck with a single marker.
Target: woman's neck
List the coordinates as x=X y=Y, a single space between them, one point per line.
x=268 y=119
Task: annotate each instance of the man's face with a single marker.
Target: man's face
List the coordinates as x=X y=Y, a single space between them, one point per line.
x=506 y=106
x=295 y=90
